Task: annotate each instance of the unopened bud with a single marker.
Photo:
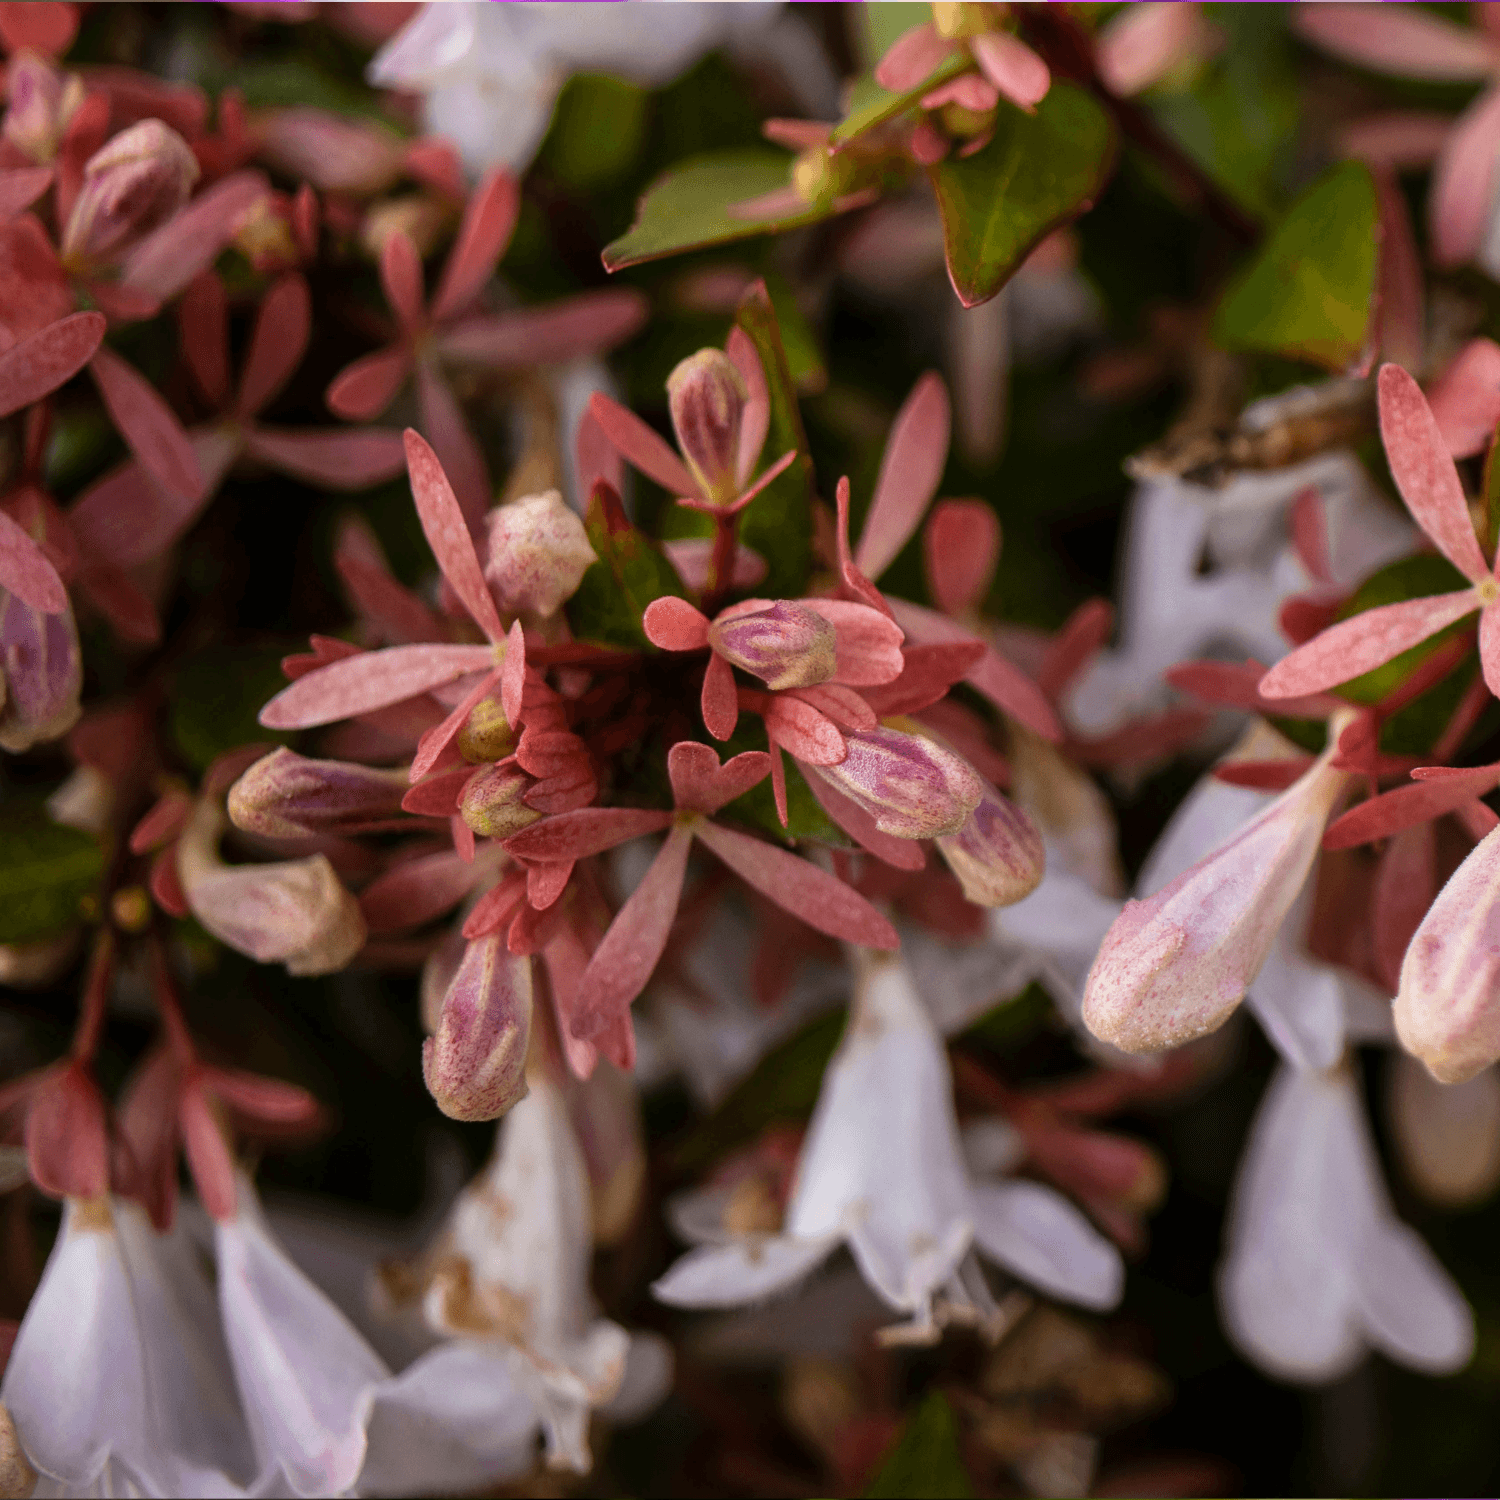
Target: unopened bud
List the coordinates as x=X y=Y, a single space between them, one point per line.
x=41 y=674
x=295 y=912
x=1448 y=1002
x=491 y=802
x=131 y=185
x=820 y=175
x=707 y=395
x=538 y=554
x=475 y=1064
x=787 y=645
x=285 y=795
x=486 y=735
x=998 y=854
x=41 y=101
x=912 y=787
x=1175 y=966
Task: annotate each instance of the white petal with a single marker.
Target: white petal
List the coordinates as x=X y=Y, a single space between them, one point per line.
x=437 y=39
x=1043 y=1239
x=306 y=1378
x=1300 y=1006
x=1411 y=1308
x=749 y=1269
x=697 y=1216
x=649 y=1363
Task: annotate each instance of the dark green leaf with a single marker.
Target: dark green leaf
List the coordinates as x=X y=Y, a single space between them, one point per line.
x=689 y=206
x=1037 y=172
x=596 y=130
x=1308 y=293
x=48 y=873
x=613 y=594
x=217 y=696
x=870 y=105
x=925 y=1459
x=778 y=522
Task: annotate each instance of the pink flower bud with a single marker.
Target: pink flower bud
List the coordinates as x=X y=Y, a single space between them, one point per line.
x=491 y=801
x=475 y=1064
x=41 y=674
x=285 y=795
x=294 y=912
x=707 y=398
x=911 y=786
x=1448 y=1002
x=538 y=554
x=998 y=854
x=486 y=735
x=41 y=102
x=1174 y=966
x=787 y=645
x=131 y=185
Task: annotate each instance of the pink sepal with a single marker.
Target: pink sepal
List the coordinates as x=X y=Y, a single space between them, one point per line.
x=26 y=572
x=148 y=425
x=37 y=365
x=1465 y=399
x=437 y=739
x=67 y=1143
x=1012 y=67
x=719 y=701
x=640 y=446
x=674 y=625
x=912 y=58
x=488 y=223
x=901 y=854
x=572 y=836
x=372 y=679
x=915 y=453
x=166 y=260
x=364 y=388
x=961 y=547
x=701 y=784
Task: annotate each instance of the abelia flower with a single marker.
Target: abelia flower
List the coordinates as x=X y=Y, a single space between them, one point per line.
x=538 y=554
x=1318 y=1269
x=1429 y=484
x=911 y=786
x=285 y=795
x=451 y=330
x=881 y=1169
x=997 y=854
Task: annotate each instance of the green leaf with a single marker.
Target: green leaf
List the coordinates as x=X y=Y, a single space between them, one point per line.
x=217 y=696
x=597 y=130
x=688 y=206
x=778 y=522
x=804 y=358
x=870 y=105
x=48 y=876
x=1037 y=171
x=613 y=594
x=925 y=1459
x=1309 y=292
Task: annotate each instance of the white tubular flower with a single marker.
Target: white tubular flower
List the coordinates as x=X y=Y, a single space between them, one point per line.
x=307 y=1380
x=118 y=1382
x=882 y=1170
x=1319 y=1269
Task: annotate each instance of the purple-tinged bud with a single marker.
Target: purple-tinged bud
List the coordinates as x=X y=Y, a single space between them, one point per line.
x=294 y=912
x=491 y=801
x=998 y=855
x=912 y=787
x=475 y=1063
x=538 y=554
x=41 y=674
x=1448 y=1002
x=41 y=101
x=486 y=735
x=786 y=645
x=1175 y=965
x=131 y=185
x=706 y=396
x=286 y=796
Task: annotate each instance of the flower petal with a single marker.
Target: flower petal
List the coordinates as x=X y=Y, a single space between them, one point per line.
x=911 y=58
x=748 y=1271
x=1034 y=1232
x=1393 y=39
x=1012 y=67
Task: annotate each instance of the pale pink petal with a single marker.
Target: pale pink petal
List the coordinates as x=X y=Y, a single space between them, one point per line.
x=1355 y=646
x=766 y=476
x=364 y=388
x=961 y=547
x=901 y=854
x=36 y=366
x=719 y=701
x=1143 y=42
x=203 y=323
x=755 y=417
x=401 y=279
x=372 y=679
x=1425 y=475
x=1403 y=335
x=280 y=339
x=25 y=571
x=848 y=709
x=333 y=460
x=1397 y=39
x=1398 y=139
x=1391 y=812
x=641 y=446
x=21 y=187
x=780 y=203
x=448 y=534
x=448 y=430
x=335 y=153
x=513 y=678
x=1463 y=184
x=575 y=835
x=489 y=221
x=1309 y=528
x=796 y=135
x=590 y=323
x=1012 y=67
x=868 y=643
x=437 y=739
x=969 y=91
x=148 y=425
x=810 y=894
x=166 y=260
x=674 y=625
x=915 y=453
x=1465 y=399
x=629 y=951
x=914 y=56
x=699 y=782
